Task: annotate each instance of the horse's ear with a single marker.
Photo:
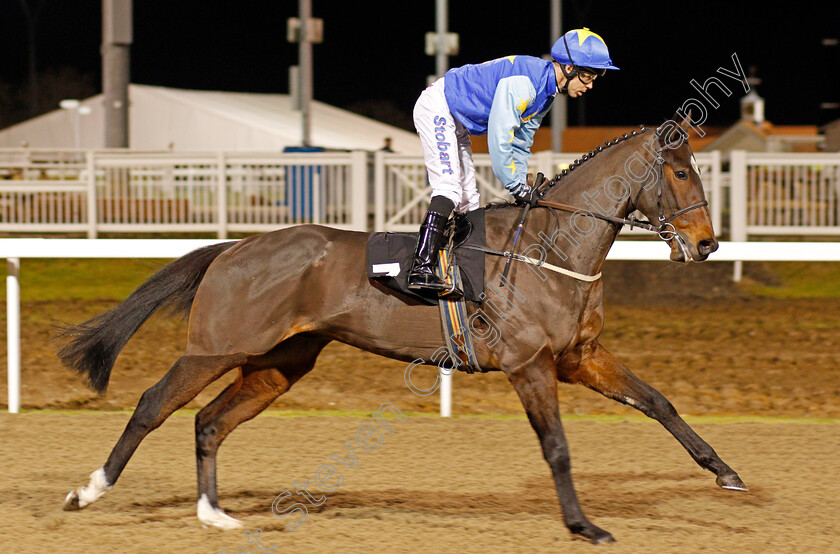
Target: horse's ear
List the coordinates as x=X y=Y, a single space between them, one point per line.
x=685 y=124
x=673 y=132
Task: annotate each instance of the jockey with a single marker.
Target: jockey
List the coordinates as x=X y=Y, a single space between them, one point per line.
x=506 y=98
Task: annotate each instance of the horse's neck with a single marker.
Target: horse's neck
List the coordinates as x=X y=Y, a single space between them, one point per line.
x=584 y=188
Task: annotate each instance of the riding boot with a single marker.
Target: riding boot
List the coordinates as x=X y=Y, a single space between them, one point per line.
x=422 y=275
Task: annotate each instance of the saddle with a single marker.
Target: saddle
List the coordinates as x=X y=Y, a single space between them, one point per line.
x=390 y=255
x=389 y=259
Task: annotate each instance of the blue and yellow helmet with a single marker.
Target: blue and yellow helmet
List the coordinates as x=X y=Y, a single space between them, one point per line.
x=582 y=48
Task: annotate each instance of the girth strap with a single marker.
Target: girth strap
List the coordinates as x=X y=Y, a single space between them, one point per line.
x=536 y=263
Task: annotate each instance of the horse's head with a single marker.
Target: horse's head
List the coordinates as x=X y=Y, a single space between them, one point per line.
x=675 y=199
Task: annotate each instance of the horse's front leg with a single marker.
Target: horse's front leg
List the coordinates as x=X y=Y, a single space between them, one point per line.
x=536 y=385
x=599 y=370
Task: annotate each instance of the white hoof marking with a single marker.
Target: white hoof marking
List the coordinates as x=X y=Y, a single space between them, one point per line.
x=215 y=517
x=96 y=488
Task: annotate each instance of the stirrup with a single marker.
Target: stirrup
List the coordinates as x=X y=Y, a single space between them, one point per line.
x=452 y=293
x=432 y=283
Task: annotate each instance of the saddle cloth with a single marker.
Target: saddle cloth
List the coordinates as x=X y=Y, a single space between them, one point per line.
x=390 y=255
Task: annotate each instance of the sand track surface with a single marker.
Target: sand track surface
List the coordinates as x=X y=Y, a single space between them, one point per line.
x=468 y=484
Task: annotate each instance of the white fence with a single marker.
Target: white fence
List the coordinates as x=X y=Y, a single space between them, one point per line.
x=784 y=194
x=98 y=192
x=15 y=249
x=121 y=191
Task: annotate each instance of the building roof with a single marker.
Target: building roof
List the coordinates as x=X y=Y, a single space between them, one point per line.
x=193 y=120
x=830 y=126
x=746 y=135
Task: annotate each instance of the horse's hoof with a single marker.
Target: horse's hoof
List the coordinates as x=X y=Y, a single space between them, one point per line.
x=594 y=534
x=213 y=516
x=71 y=501
x=603 y=538
x=82 y=496
x=731 y=482
x=220 y=520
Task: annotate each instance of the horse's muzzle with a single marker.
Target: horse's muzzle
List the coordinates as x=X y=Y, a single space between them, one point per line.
x=685 y=251
x=706 y=247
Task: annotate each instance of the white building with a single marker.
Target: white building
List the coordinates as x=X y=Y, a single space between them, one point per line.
x=190 y=120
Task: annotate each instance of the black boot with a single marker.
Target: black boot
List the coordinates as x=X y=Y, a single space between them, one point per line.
x=422 y=276
x=429 y=241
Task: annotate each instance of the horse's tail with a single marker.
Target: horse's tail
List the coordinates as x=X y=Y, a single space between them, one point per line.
x=95 y=344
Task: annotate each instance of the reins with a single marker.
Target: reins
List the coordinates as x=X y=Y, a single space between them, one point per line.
x=631 y=221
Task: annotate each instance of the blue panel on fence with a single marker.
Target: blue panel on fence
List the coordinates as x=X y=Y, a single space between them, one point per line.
x=301 y=183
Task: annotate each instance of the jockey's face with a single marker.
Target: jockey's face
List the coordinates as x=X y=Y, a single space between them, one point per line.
x=580 y=84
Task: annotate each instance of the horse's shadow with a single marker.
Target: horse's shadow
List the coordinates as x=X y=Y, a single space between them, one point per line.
x=624 y=495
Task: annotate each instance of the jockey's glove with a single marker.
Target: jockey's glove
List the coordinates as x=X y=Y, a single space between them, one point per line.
x=523 y=194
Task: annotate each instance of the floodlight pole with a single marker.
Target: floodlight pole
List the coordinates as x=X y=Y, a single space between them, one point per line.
x=117 y=36
x=305 y=65
x=558 y=113
x=441 y=27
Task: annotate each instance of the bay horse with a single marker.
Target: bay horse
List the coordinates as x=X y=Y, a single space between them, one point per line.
x=267 y=305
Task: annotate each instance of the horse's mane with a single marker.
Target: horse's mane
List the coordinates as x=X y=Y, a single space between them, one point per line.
x=575 y=164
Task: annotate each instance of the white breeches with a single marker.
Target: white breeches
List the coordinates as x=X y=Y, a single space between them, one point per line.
x=446 y=147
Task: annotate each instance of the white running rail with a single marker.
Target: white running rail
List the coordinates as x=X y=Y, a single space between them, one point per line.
x=16 y=249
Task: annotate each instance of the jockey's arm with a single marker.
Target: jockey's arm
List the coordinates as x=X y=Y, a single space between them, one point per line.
x=524 y=139
x=509 y=139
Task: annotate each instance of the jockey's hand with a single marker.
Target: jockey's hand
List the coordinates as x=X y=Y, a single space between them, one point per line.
x=525 y=195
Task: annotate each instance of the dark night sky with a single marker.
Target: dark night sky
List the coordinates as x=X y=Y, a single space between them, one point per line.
x=373 y=50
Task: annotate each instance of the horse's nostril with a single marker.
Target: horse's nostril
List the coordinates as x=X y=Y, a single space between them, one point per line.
x=707 y=246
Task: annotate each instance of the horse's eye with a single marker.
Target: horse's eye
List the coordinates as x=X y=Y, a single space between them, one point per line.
x=681 y=175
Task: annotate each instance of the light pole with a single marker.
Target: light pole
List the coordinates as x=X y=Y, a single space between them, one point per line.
x=73 y=105
x=559 y=118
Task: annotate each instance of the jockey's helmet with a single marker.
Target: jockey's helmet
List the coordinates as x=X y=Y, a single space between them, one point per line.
x=583 y=49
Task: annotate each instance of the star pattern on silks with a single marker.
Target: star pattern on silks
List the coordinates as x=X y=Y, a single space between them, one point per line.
x=511 y=136
x=523 y=105
x=512 y=167
x=511 y=58
x=584 y=34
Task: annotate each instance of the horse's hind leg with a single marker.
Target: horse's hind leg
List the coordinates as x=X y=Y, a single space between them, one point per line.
x=187 y=377
x=249 y=395
x=603 y=373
